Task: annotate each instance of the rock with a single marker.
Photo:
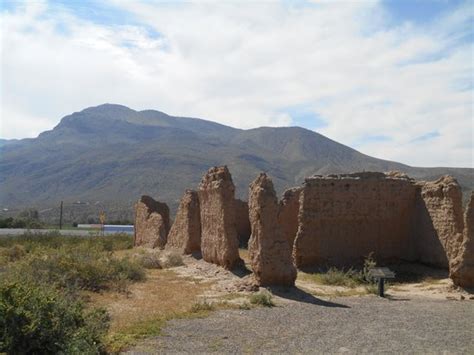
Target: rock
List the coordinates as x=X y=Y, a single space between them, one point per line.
x=345 y=217
x=439 y=221
x=219 y=242
x=242 y=222
x=152 y=223
x=462 y=267
x=185 y=234
x=288 y=214
x=270 y=254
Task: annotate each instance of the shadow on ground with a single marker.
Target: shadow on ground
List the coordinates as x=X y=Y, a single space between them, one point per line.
x=299 y=295
x=416 y=272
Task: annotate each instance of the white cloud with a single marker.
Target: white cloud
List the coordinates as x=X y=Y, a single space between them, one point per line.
x=242 y=63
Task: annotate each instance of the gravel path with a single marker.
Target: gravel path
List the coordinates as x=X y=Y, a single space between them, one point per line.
x=343 y=325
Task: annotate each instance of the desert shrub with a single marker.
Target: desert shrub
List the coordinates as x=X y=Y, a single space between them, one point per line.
x=13 y=253
x=202 y=306
x=348 y=278
x=369 y=263
x=75 y=268
x=245 y=306
x=31 y=241
x=40 y=320
x=173 y=259
x=336 y=277
x=262 y=298
x=149 y=260
x=127 y=269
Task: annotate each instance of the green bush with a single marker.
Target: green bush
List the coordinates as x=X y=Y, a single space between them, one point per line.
x=38 y=319
x=76 y=268
x=262 y=299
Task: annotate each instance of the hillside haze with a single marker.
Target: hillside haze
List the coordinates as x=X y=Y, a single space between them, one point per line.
x=109 y=155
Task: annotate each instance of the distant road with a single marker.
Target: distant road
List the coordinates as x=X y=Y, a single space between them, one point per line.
x=66 y=232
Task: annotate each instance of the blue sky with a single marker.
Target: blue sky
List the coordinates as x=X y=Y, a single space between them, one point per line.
x=391 y=78
x=419 y=11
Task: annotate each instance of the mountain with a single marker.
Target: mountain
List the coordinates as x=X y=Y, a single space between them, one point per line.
x=109 y=155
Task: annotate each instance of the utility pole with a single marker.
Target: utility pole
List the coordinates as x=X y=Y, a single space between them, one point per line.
x=61 y=216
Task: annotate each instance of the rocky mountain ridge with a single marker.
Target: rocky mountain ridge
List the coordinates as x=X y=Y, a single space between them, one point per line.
x=109 y=155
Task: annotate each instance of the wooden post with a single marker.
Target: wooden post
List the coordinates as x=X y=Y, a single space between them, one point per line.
x=61 y=216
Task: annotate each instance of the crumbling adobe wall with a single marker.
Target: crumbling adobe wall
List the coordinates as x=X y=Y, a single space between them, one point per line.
x=185 y=234
x=242 y=222
x=345 y=217
x=152 y=223
x=462 y=266
x=289 y=207
x=439 y=221
x=219 y=242
x=270 y=254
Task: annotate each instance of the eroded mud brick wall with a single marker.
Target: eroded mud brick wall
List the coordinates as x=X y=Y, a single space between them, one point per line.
x=185 y=234
x=288 y=214
x=219 y=242
x=439 y=221
x=270 y=254
x=152 y=223
x=345 y=217
x=462 y=266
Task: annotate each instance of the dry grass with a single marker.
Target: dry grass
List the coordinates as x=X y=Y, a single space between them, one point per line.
x=148 y=305
x=429 y=281
x=332 y=277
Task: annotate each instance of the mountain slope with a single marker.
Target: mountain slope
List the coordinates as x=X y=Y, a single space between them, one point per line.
x=113 y=154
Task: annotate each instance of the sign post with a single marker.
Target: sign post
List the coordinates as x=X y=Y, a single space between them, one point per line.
x=380 y=274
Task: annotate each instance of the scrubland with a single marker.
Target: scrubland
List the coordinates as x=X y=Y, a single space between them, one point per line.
x=98 y=294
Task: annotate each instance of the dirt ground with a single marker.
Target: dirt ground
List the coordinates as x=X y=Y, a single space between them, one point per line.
x=422 y=313
x=311 y=325
x=413 y=280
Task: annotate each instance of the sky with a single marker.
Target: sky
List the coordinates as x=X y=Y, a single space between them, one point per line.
x=390 y=78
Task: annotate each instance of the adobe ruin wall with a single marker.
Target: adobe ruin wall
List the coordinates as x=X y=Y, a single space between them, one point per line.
x=270 y=254
x=343 y=218
x=152 y=223
x=185 y=234
x=289 y=207
x=219 y=241
x=439 y=221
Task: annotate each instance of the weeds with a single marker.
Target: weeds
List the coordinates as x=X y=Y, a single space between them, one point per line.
x=149 y=260
x=245 y=306
x=372 y=288
x=173 y=259
x=347 y=278
x=263 y=298
x=202 y=306
x=54 y=240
